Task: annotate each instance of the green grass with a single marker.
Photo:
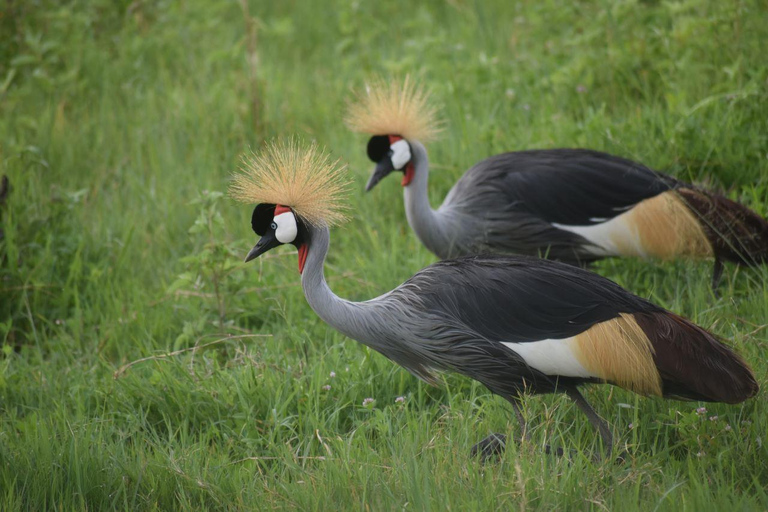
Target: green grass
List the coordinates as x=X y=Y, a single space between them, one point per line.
x=116 y=116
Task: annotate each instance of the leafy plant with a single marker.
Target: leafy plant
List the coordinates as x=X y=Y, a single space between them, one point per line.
x=209 y=279
x=702 y=432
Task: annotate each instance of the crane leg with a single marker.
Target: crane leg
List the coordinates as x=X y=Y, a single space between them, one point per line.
x=490 y=447
x=599 y=423
x=496 y=443
x=717 y=273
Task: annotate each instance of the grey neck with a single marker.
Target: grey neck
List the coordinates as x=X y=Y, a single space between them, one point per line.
x=350 y=318
x=384 y=325
x=425 y=222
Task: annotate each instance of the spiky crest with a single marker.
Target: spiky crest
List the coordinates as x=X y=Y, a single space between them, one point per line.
x=394 y=107
x=291 y=173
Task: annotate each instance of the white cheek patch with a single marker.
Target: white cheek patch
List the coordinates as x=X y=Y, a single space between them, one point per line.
x=286 y=228
x=401 y=154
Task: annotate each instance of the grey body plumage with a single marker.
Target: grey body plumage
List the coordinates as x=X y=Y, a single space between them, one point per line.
x=418 y=325
x=398 y=324
x=572 y=205
x=478 y=218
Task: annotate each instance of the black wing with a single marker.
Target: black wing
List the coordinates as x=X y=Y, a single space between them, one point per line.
x=471 y=306
x=564 y=186
x=461 y=311
x=520 y=299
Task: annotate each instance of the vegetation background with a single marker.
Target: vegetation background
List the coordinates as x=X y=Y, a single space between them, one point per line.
x=120 y=123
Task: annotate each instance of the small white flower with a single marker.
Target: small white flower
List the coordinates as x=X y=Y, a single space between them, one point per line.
x=333 y=374
x=368 y=401
x=701 y=411
x=327 y=387
x=400 y=400
x=728 y=427
x=713 y=418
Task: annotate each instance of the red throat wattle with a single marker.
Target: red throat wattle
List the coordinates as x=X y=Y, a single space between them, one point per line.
x=408 y=176
x=303 y=251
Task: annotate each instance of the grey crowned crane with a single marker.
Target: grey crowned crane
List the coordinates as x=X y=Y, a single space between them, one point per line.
x=514 y=323
x=572 y=205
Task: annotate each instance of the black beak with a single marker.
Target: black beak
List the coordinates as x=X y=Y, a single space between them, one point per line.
x=265 y=243
x=383 y=168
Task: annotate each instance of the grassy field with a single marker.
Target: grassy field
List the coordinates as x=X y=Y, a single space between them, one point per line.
x=120 y=123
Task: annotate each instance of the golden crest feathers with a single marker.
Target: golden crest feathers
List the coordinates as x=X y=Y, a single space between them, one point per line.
x=291 y=173
x=394 y=107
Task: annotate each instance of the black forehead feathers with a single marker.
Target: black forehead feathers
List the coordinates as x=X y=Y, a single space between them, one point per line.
x=378 y=147
x=264 y=214
x=262 y=218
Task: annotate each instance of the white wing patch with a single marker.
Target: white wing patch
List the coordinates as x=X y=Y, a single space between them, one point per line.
x=551 y=357
x=616 y=237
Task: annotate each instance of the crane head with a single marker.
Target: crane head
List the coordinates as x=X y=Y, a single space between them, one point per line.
x=277 y=225
x=390 y=153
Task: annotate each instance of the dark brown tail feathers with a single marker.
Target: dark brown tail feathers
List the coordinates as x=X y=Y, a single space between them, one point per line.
x=736 y=233
x=693 y=364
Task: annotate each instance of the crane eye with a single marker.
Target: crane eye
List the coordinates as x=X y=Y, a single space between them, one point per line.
x=273 y=226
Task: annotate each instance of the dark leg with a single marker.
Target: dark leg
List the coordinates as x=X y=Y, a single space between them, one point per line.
x=5 y=187
x=599 y=423
x=717 y=273
x=524 y=434
x=495 y=444
x=490 y=447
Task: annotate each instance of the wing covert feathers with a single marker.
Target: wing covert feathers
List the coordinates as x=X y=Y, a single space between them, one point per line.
x=666 y=229
x=290 y=173
x=660 y=353
x=697 y=224
x=394 y=107
x=620 y=352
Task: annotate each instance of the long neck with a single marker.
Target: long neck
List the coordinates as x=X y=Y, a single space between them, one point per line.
x=376 y=323
x=425 y=222
x=350 y=318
